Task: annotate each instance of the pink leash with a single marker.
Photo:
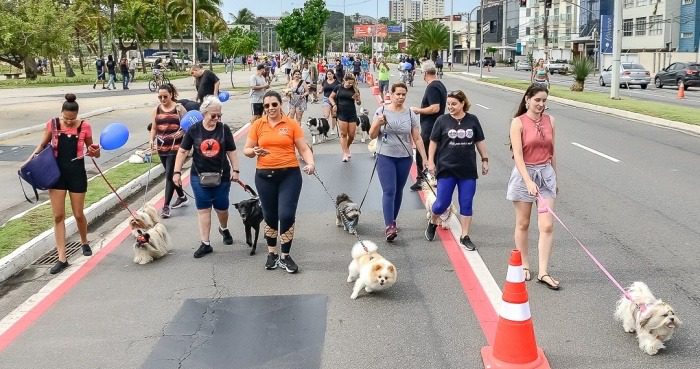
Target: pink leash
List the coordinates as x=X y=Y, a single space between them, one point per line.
x=542 y=207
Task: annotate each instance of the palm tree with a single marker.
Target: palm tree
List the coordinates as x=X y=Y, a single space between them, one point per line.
x=429 y=35
x=181 y=11
x=244 y=16
x=216 y=25
x=134 y=11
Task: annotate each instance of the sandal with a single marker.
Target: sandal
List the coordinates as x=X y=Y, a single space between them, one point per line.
x=528 y=276
x=551 y=286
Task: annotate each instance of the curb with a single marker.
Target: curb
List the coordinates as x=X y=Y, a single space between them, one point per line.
x=647 y=119
x=26 y=254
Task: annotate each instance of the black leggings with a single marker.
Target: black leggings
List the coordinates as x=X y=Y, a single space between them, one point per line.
x=279 y=191
x=168 y=162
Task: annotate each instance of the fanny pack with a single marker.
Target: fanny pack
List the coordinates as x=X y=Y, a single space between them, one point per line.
x=212 y=179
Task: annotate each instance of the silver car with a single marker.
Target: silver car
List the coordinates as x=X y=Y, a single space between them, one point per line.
x=522 y=65
x=630 y=74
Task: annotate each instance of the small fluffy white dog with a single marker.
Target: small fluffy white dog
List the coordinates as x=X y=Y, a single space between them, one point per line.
x=369 y=270
x=151 y=235
x=428 y=187
x=652 y=319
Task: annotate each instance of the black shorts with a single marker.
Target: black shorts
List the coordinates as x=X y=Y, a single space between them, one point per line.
x=287 y=71
x=257 y=108
x=73 y=177
x=348 y=117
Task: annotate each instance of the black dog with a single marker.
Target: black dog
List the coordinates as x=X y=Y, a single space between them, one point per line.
x=364 y=124
x=318 y=127
x=251 y=213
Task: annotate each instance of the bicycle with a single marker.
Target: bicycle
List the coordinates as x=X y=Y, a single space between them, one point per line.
x=157 y=79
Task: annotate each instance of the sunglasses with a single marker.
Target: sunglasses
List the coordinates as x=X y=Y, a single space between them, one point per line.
x=215 y=116
x=273 y=105
x=456 y=93
x=163 y=97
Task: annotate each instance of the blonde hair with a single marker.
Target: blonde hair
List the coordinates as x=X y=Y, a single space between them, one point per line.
x=208 y=103
x=351 y=77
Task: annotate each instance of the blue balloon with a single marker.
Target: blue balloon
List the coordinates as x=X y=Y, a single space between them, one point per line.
x=114 y=136
x=190 y=118
x=223 y=96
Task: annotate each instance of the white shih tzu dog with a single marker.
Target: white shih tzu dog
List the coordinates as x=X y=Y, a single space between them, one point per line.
x=151 y=235
x=652 y=319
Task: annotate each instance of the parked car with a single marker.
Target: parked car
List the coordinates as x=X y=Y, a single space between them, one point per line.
x=560 y=66
x=674 y=74
x=522 y=65
x=165 y=55
x=630 y=74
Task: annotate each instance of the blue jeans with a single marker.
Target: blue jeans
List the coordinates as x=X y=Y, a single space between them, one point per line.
x=445 y=189
x=393 y=174
x=279 y=191
x=125 y=80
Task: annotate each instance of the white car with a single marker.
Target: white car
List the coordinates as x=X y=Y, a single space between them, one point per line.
x=165 y=55
x=559 y=66
x=522 y=65
x=630 y=74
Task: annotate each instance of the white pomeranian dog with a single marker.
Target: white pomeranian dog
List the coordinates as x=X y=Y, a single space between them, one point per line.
x=369 y=270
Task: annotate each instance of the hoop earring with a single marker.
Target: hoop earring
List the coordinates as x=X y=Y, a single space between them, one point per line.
x=527 y=105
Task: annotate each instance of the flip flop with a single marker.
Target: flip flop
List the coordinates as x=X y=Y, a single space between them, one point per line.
x=528 y=276
x=551 y=286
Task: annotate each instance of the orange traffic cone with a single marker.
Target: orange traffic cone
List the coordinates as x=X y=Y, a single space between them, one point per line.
x=514 y=346
x=681 y=91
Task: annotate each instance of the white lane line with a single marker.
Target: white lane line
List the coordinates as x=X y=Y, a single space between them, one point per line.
x=596 y=152
x=485 y=107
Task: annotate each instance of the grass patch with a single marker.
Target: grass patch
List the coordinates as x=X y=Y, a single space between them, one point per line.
x=79 y=79
x=19 y=231
x=655 y=109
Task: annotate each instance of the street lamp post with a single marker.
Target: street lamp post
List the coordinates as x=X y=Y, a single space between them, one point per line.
x=469 y=35
x=617 y=51
x=481 y=41
x=344 y=27
x=452 y=18
x=194 y=31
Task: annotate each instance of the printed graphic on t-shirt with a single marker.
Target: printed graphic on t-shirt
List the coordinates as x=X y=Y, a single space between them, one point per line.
x=210 y=148
x=284 y=131
x=460 y=134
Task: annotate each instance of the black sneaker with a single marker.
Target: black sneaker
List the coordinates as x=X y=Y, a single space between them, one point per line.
x=467 y=243
x=430 y=231
x=271 y=262
x=165 y=213
x=87 y=251
x=58 y=267
x=417 y=186
x=202 y=250
x=391 y=233
x=288 y=264
x=180 y=202
x=228 y=239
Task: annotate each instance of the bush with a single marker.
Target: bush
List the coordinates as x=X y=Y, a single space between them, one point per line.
x=581 y=68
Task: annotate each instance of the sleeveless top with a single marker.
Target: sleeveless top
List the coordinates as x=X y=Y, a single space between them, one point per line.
x=167 y=124
x=538 y=147
x=540 y=75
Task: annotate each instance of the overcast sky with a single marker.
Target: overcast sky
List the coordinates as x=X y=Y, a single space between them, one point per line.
x=364 y=7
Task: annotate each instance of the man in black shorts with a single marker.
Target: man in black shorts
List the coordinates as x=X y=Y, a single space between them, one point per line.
x=208 y=82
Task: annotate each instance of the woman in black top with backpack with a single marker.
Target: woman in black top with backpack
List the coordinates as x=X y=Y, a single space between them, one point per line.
x=69 y=137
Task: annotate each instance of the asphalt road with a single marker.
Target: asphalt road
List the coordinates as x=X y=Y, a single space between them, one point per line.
x=667 y=94
x=637 y=215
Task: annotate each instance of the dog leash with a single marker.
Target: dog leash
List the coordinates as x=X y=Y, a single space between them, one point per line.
x=546 y=209
x=121 y=201
x=345 y=220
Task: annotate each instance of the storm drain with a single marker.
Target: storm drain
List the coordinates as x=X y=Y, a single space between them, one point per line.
x=51 y=257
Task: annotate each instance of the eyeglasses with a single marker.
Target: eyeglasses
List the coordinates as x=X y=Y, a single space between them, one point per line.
x=216 y=116
x=163 y=97
x=273 y=105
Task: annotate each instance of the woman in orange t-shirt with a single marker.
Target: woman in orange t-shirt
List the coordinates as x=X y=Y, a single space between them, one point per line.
x=274 y=140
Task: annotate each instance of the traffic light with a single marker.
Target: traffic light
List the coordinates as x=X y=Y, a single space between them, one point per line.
x=523 y=3
x=548 y=4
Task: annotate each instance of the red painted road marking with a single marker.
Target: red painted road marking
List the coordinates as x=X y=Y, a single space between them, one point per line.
x=21 y=325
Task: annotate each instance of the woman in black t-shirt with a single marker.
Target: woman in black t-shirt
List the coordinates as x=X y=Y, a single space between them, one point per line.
x=327 y=88
x=343 y=100
x=452 y=159
x=214 y=152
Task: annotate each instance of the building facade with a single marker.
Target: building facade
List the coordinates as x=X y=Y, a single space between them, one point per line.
x=433 y=9
x=547 y=33
x=402 y=9
x=689 y=26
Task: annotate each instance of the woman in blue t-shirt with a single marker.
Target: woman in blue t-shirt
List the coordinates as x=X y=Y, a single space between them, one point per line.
x=452 y=159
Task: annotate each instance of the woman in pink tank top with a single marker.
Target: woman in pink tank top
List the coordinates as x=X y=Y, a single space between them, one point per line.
x=532 y=143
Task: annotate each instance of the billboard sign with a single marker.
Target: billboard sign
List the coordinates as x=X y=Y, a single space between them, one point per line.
x=606 y=34
x=395 y=29
x=367 y=30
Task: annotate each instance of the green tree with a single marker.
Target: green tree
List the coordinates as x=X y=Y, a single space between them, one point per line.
x=140 y=21
x=491 y=50
x=301 y=30
x=215 y=26
x=244 y=16
x=237 y=42
x=430 y=36
x=181 y=13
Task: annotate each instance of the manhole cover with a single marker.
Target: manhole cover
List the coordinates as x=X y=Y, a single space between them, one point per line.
x=15 y=153
x=51 y=257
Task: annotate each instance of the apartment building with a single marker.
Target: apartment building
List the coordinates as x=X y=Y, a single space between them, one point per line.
x=433 y=9
x=648 y=26
x=548 y=34
x=400 y=9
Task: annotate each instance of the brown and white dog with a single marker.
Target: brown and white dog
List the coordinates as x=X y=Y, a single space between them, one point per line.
x=429 y=188
x=151 y=235
x=369 y=270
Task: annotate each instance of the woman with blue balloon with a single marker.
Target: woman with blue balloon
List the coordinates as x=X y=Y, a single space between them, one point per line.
x=166 y=135
x=71 y=140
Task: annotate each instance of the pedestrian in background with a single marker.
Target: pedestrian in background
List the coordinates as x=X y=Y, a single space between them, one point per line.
x=69 y=136
x=112 y=72
x=397 y=129
x=214 y=153
x=452 y=159
x=343 y=100
x=132 y=68
x=165 y=139
x=539 y=74
x=101 y=71
x=298 y=92
x=258 y=85
x=383 y=77
x=535 y=173
x=208 y=82
x=275 y=139
x=327 y=87
x=431 y=107
x=124 y=69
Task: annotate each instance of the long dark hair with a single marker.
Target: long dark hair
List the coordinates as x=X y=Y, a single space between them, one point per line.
x=170 y=88
x=531 y=91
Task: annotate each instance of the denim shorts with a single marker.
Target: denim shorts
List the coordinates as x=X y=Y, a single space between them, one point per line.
x=208 y=197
